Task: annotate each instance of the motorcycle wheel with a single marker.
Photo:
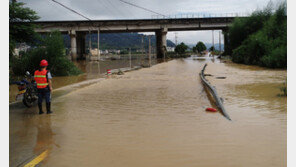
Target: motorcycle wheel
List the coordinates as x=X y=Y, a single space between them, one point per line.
x=28 y=99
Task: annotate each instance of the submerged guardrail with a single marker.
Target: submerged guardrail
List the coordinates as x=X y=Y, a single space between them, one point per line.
x=214 y=93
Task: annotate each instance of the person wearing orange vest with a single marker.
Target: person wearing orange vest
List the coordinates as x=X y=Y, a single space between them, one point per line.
x=44 y=86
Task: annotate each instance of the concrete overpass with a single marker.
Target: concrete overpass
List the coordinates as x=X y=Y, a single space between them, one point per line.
x=78 y=29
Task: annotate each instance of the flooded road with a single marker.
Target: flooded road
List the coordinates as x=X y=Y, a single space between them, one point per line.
x=92 y=70
x=156 y=117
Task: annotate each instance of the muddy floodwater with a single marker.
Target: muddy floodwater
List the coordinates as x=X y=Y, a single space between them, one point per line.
x=156 y=117
x=91 y=70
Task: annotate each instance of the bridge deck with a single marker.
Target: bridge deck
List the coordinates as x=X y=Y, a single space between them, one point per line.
x=140 y=25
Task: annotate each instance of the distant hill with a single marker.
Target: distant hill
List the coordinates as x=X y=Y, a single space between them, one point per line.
x=119 y=41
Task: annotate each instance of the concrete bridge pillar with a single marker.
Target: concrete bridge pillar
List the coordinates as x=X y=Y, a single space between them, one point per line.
x=161 y=43
x=80 y=42
x=73 y=45
x=97 y=57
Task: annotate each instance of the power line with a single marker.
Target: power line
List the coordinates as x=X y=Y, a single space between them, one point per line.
x=90 y=28
x=118 y=9
x=71 y=10
x=142 y=8
x=109 y=8
x=76 y=12
x=129 y=13
x=115 y=7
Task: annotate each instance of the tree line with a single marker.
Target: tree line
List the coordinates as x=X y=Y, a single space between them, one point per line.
x=50 y=47
x=199 y=48
x=260 y=39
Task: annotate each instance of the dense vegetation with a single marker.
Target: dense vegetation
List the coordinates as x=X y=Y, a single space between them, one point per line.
x=50 y=48
x=181 y=48
x=260 y=39
x=200 y=47
x=20 y=32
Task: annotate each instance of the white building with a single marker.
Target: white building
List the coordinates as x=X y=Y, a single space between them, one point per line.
x=22 y=47
x=95 y=51
x=170 y=49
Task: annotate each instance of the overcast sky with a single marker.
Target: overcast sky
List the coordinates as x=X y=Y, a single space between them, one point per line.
x=114 y=9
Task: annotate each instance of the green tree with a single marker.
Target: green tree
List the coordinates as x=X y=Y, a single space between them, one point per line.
x=212 y=48
x=268 y=45
x=20 y=30
x=181 y=48
x=194 y=49
x=242 y=27
x=200 y=47
x=52 y=49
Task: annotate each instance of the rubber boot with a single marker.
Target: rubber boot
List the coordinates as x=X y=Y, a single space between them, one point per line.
x=40 y=108
x=48 y=108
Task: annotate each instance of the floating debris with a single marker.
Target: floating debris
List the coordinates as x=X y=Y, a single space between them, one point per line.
x=120 y=72
x=211 y=109
x=220 y=77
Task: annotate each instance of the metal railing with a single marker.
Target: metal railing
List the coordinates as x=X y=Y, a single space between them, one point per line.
x=200 y=15
x=214 y=93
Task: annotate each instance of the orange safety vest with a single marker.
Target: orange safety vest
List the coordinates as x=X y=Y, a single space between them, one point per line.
x=41 y=79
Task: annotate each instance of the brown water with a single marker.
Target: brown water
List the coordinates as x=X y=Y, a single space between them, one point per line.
x=91 y=69
x=156 y=117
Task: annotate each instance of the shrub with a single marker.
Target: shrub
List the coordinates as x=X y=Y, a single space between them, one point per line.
x=241 y=28
x=276 y=59
x=52 y=49
x=264 y=45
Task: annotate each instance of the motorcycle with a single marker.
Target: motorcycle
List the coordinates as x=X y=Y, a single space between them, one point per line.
x=27 y=90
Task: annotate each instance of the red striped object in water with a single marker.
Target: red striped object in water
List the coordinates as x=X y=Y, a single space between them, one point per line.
x=211 y=109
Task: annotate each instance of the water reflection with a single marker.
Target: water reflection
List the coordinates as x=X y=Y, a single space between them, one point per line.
x=44 y=139
x=30 y=134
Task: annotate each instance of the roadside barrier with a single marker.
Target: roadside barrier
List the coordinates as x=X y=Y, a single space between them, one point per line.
x=108 y=72
x=213 y=93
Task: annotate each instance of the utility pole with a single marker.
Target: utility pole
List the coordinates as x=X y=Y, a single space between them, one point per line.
x=164 y=53
x=149 y=50
x=142 y=49
x=176 y=37
x=89 y=43
x=130 y=58
x=99 y=54
x=220 y=41
x=213 y=38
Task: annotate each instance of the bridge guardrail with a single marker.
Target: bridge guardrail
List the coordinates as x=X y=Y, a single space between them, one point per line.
x=200 y=15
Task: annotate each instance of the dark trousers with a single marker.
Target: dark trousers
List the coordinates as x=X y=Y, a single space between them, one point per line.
x=44 y=93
